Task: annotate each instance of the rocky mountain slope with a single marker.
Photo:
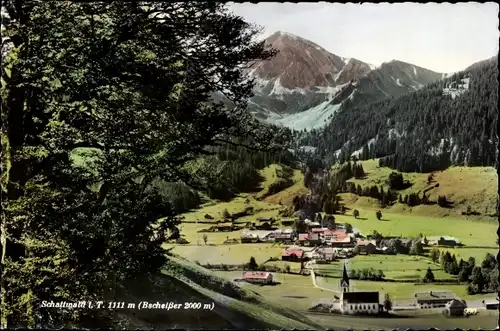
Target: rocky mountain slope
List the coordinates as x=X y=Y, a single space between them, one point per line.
x=304 y=85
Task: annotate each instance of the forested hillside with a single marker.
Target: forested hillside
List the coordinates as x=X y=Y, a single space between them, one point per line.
x=450 y=122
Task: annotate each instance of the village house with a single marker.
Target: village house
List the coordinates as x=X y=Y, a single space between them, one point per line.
x=443 y=241
x=324 y=254
x=292 y=254
x=309 y=239
x=340 y=240
x=432 y=299
x=225 y=227
x=249 y=237
x=258 y=277
x=283 y=236
x=312 y=224
x=366 y=247
x=330 y=234
x=287 y=221
x=257 y=236
x=455 y=308
x=357 y=303
x=491 y=304
x=264 y=226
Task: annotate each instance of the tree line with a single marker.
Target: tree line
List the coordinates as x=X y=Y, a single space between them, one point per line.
x=481 y=278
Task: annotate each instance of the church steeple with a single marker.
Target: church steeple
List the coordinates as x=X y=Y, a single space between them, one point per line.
x=344 y=281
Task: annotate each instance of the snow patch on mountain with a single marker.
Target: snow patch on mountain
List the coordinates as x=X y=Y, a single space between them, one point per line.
x=359 y=151
x=279 y=90
x=415 y=71
x=345 y=59
x=372 y=67
x=313 y=118
x=397 y=81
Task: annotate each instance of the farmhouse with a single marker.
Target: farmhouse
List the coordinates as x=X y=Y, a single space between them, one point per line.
x=366 y=247
x=433 y=299
x=292 y=254
x=264 y=226
x=225 y=227
x=249 y=237
x=324 y=254
x=443 y=241
x=455 y=308
x=283 y=236
x=258 y=277
x=257 y=236
x=309 y=239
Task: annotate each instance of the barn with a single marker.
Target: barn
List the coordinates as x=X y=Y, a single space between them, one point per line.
x=258 y=277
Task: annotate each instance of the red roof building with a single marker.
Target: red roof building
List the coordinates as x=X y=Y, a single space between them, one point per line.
x=292 y=254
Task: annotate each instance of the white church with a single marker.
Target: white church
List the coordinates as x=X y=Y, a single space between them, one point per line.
x=357 y=303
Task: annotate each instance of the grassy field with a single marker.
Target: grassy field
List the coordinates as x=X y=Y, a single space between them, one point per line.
x=294 y=291
x=397 y=267
x=190 y=232
x=228 y=254
x=469 y=232
x=228 y=296
x=238 y=204
x=485 y=320
x=475 y=187
x=286 y=196
x=270 y=176
x=477 y=253
x=297 y=292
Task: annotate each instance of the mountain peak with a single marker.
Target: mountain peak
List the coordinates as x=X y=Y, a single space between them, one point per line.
x=280 y=35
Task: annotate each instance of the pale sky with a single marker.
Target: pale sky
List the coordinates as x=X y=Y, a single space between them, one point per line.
x=440 y=37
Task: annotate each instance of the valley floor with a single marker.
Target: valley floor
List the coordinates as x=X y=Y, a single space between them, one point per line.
x=300 y=292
